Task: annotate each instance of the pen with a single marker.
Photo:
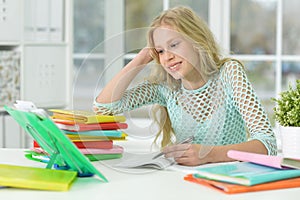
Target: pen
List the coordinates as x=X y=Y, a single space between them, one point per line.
x=186 y=141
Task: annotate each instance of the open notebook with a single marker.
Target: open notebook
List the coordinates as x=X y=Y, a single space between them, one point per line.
x=144 y=161
x=150 y=160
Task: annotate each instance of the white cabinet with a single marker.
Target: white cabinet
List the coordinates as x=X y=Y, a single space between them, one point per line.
x=46 y=67
x=1 y=131
x=35 y=57
x=13 y=135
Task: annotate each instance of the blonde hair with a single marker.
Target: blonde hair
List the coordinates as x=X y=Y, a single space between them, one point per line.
x=186 y=22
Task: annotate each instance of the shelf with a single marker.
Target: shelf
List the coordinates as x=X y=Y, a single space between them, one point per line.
x=35 y=57
x=8 y=46
x=2 y=110
x=44 y=43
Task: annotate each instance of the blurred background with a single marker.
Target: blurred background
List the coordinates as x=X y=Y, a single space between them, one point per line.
x=261 y=33
x=60 y=53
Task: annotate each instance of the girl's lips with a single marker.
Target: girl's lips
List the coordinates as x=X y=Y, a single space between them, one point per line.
x=174 y=66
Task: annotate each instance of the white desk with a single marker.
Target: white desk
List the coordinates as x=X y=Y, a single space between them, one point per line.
x=122 y=186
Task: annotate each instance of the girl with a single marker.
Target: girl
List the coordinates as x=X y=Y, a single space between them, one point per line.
x=197 y=92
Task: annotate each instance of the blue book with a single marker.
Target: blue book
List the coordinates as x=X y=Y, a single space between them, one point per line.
x=106 y=133
x=245 y=173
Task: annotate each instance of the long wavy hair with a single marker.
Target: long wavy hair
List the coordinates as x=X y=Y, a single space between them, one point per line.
x=192 y=27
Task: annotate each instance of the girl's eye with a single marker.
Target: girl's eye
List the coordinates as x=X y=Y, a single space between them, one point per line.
x=175 y=44
x=159 y=51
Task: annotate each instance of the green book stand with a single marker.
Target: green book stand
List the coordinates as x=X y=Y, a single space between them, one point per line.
x=62 y=152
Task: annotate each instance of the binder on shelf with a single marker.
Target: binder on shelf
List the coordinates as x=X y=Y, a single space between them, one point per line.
x=62 y=152
x=29 y=20
x=56 y=21
x=42 y=14
x=44 y=20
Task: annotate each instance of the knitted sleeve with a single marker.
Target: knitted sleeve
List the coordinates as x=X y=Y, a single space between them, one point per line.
x=192 y=111
x=143 y=94
x=248 y=105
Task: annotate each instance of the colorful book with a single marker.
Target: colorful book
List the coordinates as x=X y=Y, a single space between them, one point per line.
x=92 y=137
x=88 y=127
x=229 y=188
x=103 y=133
x=271 y=161
x=104 y=144
x=36 y=178
x=39 y=155
x=97 y=157
x=87 y=117
x=115 y=150
x=245 y=173
x=94 y=144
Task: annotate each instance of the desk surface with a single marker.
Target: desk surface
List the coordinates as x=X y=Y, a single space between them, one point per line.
x=132 y=185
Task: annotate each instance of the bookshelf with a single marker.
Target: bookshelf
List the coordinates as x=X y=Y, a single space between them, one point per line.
x=35 y=57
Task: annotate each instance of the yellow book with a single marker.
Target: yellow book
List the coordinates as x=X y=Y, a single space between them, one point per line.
x=83 y=116
x=91 y=137
x=36 y=178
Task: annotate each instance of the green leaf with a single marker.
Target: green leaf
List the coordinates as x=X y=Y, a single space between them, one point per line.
x=287 y=110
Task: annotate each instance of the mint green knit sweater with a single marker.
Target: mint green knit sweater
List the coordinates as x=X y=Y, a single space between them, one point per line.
x=224 y=111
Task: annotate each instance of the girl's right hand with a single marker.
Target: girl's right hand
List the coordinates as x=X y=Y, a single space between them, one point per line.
x=144 y=56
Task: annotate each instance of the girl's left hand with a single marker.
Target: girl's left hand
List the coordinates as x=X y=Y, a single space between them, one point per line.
x=187 y=154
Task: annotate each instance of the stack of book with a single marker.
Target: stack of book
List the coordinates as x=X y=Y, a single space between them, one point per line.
x=92 y=134
x=256 y=172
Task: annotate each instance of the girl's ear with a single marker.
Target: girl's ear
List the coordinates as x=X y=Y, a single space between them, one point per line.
x=196 y=47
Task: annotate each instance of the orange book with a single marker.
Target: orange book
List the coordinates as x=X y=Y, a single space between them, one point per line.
x=229 y=188
x=73 y=126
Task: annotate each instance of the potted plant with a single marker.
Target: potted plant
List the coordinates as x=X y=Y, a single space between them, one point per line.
x=287 y=114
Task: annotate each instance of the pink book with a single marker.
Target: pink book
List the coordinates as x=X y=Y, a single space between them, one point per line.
x=272 y=161
x=116 y=149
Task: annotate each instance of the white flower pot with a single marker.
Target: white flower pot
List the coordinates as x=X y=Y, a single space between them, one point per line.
x=290 y=138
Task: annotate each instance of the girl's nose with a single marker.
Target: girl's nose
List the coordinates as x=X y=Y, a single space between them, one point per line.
x=168 y=56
